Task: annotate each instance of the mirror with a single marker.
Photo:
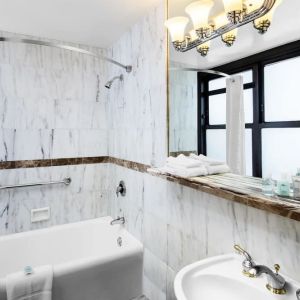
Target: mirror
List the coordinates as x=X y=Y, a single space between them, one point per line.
x=268 y=64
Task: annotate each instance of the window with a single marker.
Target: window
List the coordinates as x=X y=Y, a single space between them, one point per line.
x=272 y=111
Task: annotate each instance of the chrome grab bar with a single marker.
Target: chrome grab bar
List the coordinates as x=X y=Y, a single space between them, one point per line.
x=66 y=181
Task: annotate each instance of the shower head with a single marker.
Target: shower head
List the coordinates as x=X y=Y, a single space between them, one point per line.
x=110 y=82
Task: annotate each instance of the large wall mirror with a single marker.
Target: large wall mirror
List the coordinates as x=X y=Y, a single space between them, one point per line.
x=269 y=64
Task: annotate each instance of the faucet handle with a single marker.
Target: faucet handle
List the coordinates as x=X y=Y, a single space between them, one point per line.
x=277 y=268
x=239 y=249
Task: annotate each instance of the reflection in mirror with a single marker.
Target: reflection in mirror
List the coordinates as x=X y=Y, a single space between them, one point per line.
x=183 y=111
x=197 y=102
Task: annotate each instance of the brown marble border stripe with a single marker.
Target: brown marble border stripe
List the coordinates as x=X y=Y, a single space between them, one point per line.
x=273 y=205
x=52 y=162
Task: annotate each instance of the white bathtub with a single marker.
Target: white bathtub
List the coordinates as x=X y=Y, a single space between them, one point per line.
x=88 y=263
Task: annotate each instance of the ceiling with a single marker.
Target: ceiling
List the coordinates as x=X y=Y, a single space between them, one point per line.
x=91 y=22
x=285 y=28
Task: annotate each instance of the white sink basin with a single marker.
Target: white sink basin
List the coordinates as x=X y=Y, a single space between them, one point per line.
x=221 y=278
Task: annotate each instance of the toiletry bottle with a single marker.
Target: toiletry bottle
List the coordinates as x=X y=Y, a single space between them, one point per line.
x=283 y=185
x=296 y=185
x=267 y=185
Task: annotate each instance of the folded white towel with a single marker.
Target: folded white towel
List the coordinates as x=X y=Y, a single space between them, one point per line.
x=36 y=286
x=206 y=160
x=217 y=169
x=183 y=161
x=184 y=172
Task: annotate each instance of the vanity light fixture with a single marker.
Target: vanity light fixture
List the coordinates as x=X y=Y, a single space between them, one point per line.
x=263 y=23
x=237 y=13
x=229 y=37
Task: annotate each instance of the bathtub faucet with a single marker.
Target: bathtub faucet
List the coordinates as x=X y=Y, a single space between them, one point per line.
x=118 y=220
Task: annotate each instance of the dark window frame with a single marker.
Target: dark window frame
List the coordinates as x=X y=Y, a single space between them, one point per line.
x=257 y=63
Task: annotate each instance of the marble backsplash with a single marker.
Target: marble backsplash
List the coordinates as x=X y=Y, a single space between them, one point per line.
x=52 y=103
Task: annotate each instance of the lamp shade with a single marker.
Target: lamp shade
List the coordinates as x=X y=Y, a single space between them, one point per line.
x=220 y=20
x=176 y=27
x=233 y=5
x=193 y=35
x=199 y=12
x=253 y=5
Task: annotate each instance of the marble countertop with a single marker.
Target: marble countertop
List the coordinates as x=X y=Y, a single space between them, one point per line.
x=242 y=189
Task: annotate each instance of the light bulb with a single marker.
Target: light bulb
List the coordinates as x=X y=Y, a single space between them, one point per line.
x=176 y=27
x=199 y=12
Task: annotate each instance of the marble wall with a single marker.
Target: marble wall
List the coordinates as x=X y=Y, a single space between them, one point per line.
x=137 y=106
x=177 y=225
x=52 y=103
x=85 y=198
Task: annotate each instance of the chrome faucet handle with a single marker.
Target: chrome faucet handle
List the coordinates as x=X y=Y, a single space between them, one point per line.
x=121 y=189
x=248 y=263
x=242 y=251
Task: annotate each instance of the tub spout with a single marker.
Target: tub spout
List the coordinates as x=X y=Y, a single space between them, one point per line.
x=118 y=220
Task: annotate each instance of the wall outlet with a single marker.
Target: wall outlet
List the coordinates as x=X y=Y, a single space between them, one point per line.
x=40 y=214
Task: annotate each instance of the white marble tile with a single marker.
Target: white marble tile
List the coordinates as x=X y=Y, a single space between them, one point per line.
x=85 y=198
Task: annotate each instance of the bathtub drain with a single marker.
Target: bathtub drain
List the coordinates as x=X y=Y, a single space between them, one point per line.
x=119 y=241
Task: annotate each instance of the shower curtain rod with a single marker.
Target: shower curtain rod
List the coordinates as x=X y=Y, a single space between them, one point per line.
x=200 y=70
x=65 y=47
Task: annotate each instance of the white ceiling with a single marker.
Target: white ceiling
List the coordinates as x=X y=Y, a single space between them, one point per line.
x=284 y=28
x=91 y=22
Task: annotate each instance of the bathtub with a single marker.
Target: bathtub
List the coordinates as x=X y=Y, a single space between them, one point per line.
x=92 y=260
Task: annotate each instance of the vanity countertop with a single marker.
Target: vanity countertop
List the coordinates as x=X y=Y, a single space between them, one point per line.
x=242 y=189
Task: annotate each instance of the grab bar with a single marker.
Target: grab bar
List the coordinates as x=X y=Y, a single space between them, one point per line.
x=66 y=181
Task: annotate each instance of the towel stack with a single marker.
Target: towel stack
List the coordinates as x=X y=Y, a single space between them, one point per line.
x=193 y=166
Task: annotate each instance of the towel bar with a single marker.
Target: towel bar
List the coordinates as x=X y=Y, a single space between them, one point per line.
x=66 y=181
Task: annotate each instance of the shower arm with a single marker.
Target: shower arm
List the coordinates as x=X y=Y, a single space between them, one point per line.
x=128 y=68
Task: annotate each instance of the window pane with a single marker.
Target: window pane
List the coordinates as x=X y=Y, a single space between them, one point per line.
x=280 y=151
x=282 y=98
x=220 y=83
x=216 y=146
x=217 y=108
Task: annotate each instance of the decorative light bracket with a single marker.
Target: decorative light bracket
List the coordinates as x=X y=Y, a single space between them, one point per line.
x=236 y=18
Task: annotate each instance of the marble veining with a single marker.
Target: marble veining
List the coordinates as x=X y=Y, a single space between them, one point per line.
x=53 y=103
x=137 y=106
x=85 y=198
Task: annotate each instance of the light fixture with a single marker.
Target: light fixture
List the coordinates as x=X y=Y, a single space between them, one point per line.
x=237 y=13
x=199 y=12
x=263 y=23
x=234 y=10
x=229 y=37
x=176 y=27
x=203 y=48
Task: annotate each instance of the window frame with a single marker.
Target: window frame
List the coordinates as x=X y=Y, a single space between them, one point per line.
x=257 y=63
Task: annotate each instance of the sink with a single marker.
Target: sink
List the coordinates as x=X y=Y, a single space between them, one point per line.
x=221 y=277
